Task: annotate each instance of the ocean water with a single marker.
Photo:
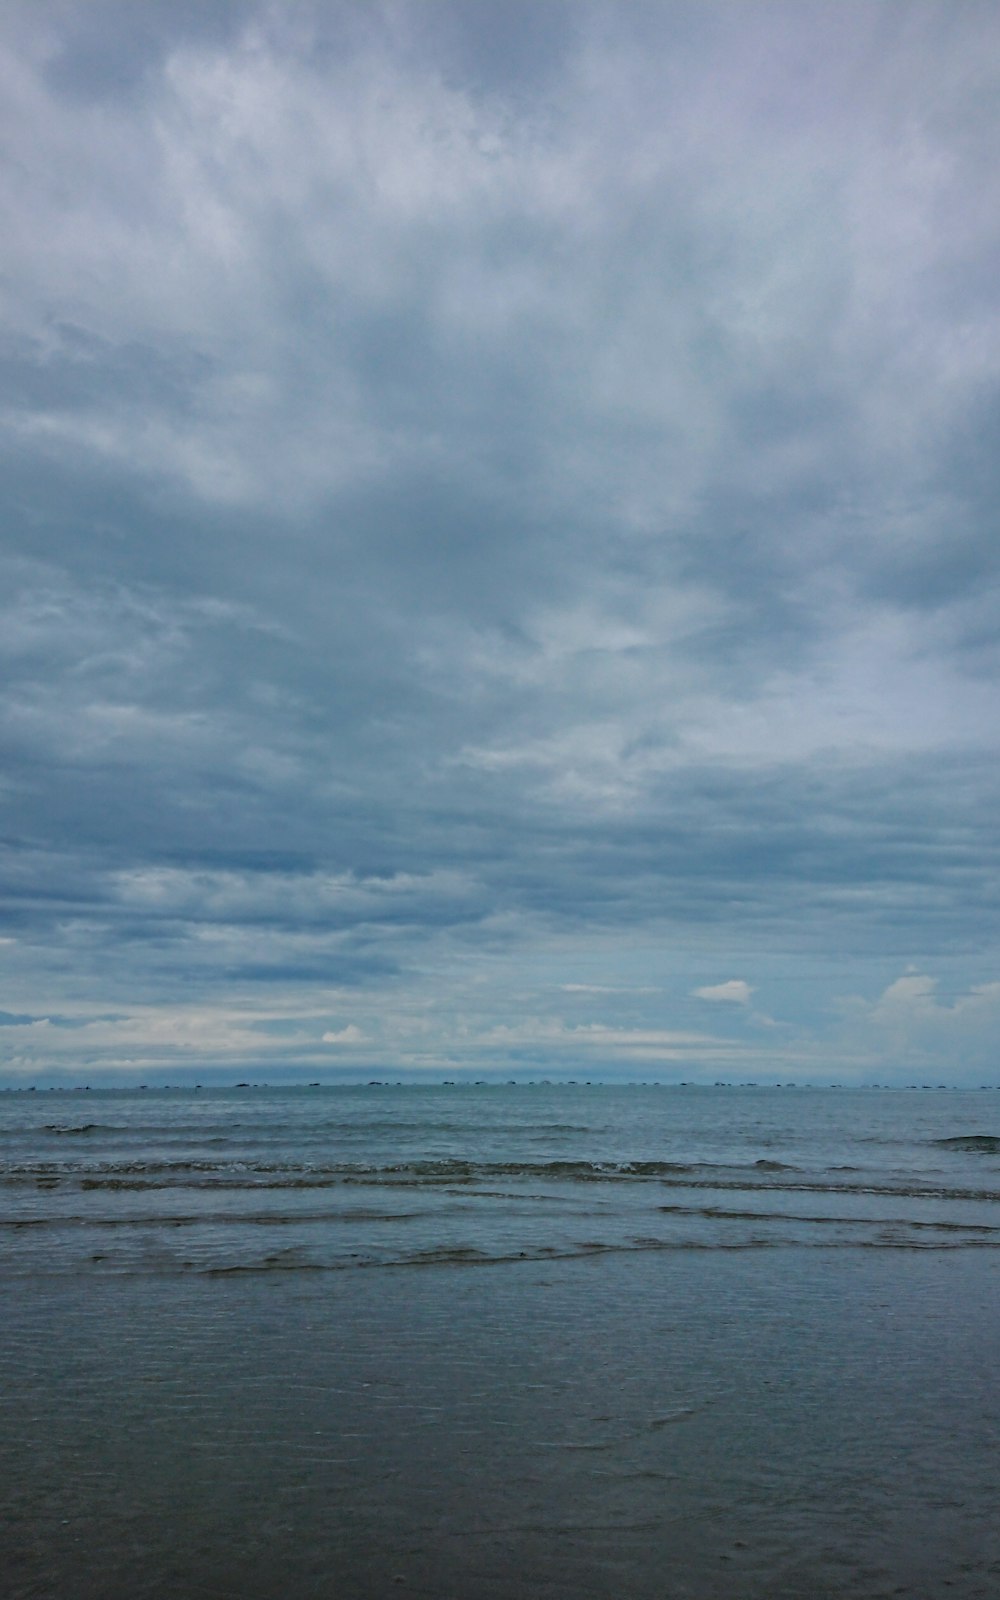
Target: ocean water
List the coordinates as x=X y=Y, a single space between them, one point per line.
x=499 y=1341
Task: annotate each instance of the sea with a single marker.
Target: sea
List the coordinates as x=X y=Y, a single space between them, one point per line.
x=463 y=1340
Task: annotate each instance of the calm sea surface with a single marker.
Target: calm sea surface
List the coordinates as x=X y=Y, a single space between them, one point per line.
x=463 y=1341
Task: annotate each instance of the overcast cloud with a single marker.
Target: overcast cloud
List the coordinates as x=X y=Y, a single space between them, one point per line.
x=500 y=544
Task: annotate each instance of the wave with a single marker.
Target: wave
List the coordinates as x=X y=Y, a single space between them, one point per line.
x=548 y=1178
x=126 y=1247
x=977 y=1143
x=458 y=1256
x=362 y=1215
x=271 y=1130
x=212 y=1219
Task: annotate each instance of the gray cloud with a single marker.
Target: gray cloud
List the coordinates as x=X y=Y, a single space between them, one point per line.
x=483 y=481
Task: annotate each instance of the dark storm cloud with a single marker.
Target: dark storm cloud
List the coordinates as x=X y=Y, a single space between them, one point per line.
x=479 y=481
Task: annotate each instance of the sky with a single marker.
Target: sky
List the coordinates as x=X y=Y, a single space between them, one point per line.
x=499 y=540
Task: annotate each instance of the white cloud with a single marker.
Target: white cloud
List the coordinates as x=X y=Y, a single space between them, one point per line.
x=350 y=1035
x=736 y=991
x=607 y=988
x=909 y=995
x=912 y=1029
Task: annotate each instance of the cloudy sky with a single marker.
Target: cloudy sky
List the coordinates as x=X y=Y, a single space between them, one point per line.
x=499 y=539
